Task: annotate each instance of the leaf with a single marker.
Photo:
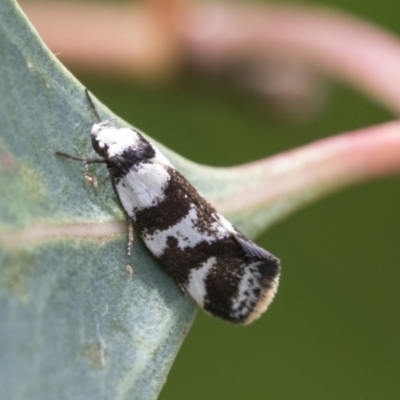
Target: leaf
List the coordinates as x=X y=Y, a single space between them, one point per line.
x=76 y=321
x=79 y=318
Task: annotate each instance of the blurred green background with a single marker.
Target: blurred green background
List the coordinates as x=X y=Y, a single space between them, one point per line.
x=333 y=330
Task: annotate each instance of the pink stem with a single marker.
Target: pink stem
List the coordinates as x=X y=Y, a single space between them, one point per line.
x=131 y=39
x=299 y=176
x=350 y=49
x=118 y=39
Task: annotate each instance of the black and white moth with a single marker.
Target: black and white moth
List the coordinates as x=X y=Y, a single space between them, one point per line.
x=224 y=272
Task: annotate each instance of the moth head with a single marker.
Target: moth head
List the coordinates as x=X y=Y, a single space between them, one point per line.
x=99 y=136
x=109 y=141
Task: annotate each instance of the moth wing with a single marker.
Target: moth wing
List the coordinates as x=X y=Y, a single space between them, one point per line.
x=251 y=248
x=247 y=245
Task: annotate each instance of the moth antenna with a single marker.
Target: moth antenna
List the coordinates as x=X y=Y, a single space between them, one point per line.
x=87 y=160
x=92 y=106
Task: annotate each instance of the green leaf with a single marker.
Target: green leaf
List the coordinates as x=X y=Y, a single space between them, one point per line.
x=79 y=319
x=76 y=322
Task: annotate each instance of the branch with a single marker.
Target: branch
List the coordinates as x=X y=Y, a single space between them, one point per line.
x=137 y=40
x=272 y=188
x=345 y=47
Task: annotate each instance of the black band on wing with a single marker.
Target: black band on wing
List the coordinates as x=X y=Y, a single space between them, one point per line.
x=121 y=164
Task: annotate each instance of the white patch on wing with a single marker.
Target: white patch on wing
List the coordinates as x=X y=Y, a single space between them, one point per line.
x=246 y=289
x=160 y=158
x=143 y=187
x=186 y=232
x=122 y=140
x=196 y=286
x=226 y=224
x=258 y=303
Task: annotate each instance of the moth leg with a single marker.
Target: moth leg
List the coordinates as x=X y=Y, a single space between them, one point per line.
x=88 y=160
x=183 y=289
x=131 y=230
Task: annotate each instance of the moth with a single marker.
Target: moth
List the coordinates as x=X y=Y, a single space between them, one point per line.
x=226 y=274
